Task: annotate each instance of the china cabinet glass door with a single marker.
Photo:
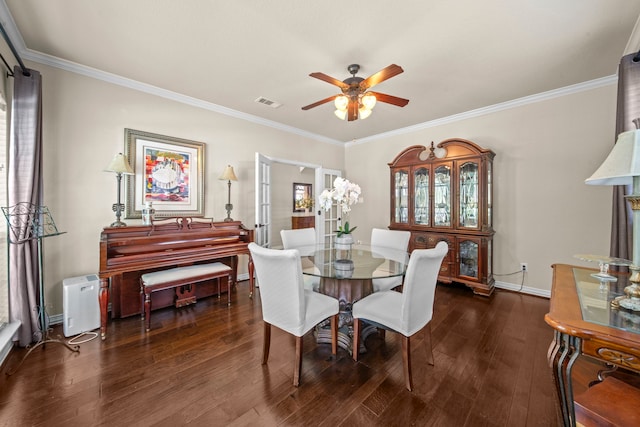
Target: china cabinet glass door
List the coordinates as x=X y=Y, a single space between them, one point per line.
x=401 y=196
x=468 y=180
x=421 y=196
x=468 y=255
x=442 y=196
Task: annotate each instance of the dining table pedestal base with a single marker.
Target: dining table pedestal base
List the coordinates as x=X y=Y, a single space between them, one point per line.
x=347 y=292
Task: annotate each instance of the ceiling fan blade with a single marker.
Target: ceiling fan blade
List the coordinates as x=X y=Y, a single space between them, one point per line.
x=353 y=111
x=329 y=79
x=390 y=99
x=380 y=76
x=324 y=101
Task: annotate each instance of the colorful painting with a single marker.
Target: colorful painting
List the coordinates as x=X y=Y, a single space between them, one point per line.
x=168 y=171
x=166 y=176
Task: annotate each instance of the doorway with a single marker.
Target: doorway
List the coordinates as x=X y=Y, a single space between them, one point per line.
x=274 y=196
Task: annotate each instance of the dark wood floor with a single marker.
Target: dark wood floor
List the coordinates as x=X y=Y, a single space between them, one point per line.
x=200 y=366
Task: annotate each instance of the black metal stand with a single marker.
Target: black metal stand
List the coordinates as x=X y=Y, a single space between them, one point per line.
x=28 y=222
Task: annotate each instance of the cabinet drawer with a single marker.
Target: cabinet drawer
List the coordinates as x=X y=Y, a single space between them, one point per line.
x=303 y=222
x=622 y=356
x=428 y=240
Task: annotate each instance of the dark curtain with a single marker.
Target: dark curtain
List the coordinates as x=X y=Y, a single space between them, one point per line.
x=628 y=109
x=25 y=185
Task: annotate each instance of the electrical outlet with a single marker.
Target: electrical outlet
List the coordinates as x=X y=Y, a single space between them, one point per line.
x=524 y=266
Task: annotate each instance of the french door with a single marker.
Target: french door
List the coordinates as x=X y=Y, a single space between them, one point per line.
x=262 y=233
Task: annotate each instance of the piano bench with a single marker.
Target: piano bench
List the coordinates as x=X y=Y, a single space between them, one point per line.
x=180 y=276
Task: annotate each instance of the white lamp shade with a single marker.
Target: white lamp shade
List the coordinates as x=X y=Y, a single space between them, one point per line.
x=341 y=114
x=622 y=164
x=120 y=164
x=228 y=174
x=341 y=102
x=369 y=101
x=363 y=113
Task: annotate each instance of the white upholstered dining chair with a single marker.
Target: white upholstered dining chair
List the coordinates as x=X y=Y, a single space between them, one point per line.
x=408 y=312
x=392 y=239
x=285 y=302
x=298 y=239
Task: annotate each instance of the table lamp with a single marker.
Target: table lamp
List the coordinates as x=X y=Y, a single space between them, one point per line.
x=228 y=175
x=622 y=167
x=119 y=165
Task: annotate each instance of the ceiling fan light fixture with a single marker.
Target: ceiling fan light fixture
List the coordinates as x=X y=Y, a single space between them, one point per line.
x=341 y=102
x=341 y=114
x=369 y=101
x=363 y=112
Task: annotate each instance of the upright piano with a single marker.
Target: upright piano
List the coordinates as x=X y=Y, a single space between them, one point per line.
x=128 y=252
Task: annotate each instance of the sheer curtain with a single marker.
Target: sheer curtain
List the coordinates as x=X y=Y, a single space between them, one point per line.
x=628 y=109
x=25 y=185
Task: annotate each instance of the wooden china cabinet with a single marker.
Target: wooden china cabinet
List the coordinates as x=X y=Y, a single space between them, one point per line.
x=446 y=193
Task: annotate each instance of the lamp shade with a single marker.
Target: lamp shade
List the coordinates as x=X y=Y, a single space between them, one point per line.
x=363 y=112
x=120 y=164
x=369 y=101
x=622 y=164
x=228 y=174
x=341 y=102
x=341 y=114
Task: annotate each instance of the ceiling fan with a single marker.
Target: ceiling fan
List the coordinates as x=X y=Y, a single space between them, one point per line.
x=356 y=101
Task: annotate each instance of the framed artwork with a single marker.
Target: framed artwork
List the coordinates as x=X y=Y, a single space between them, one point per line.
x=302 y=197
x=168 y=171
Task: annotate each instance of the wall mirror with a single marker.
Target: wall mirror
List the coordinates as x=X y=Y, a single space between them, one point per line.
x=302 y=197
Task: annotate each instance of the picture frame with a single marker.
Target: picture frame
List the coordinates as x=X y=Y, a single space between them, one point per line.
x=168 y=171
x=302 y=197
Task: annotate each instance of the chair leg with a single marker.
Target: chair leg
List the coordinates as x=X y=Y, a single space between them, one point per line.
x=298 y=366
x=406 y=362
x=334 y=334
x=427 y=344
x=266 y=343
x=147 y=310
x=356 y=338
x=141 y=299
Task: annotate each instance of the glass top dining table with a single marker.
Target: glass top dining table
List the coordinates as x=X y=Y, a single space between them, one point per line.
x=361 y=262
x=348 y=275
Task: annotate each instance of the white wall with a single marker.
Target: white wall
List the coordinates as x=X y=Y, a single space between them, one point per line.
x=544 y=213
x=84 y=122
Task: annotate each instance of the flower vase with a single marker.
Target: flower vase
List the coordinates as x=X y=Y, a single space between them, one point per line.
x=343 y=246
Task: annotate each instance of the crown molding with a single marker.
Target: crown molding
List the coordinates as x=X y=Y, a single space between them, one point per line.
x=544 y=96
x=18 y=42
x=167 y=94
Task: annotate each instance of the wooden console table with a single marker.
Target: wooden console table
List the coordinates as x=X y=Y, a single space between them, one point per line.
x=585 y=324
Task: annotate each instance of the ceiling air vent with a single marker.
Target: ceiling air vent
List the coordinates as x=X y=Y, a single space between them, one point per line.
x=267 y=102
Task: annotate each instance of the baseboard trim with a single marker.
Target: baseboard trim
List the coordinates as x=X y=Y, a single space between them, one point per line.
x=524 y=289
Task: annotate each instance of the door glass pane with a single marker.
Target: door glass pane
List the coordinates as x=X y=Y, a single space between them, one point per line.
x=332 y=217
x=401 y=181
x=469 y=195
x=442 y=196
x=468 y=258
x=421 y=194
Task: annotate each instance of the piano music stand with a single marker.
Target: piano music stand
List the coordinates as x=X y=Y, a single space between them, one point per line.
x=28 y=222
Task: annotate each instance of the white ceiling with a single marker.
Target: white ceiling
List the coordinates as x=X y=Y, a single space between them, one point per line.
x=457 y=56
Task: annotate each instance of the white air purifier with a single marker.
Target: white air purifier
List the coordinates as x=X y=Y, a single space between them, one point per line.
x=80 y=304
